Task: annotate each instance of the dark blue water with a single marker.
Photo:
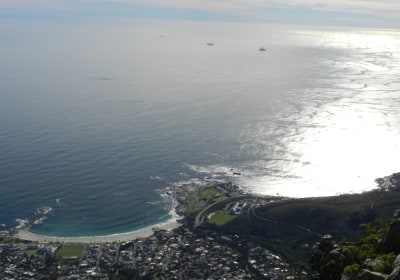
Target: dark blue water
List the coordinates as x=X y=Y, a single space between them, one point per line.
x=96 y=121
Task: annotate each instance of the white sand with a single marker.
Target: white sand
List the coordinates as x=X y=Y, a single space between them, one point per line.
x=141 y=233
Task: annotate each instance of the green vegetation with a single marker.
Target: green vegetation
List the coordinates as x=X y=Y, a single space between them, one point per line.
x=70 y=252
x=198 y=199
x=386 y=263
x=369 y=246
x=351 y=270
x=209 y=193
x=194 y=206
x=220 y=219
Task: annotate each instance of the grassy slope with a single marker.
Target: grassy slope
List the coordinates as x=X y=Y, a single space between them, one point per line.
x=220 y=219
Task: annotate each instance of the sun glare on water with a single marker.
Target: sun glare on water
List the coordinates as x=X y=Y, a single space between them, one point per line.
x=351 y=136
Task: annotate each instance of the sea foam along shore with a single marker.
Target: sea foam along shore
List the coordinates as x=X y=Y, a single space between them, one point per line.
x=171 y=224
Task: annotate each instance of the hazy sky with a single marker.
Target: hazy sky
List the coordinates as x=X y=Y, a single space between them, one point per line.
x=372 y=13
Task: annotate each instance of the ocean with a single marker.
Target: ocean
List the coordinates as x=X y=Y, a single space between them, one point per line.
x=98 y=119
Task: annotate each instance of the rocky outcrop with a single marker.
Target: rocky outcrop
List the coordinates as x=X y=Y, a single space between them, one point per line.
x=391 y=243
x=389 y=183
x=366 y=274
x=370 y=264
x=395 y=274
x=328 y=259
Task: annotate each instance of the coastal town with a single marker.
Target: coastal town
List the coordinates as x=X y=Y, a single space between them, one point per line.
x=179 y=254
x=185 y=252
x=222 y=233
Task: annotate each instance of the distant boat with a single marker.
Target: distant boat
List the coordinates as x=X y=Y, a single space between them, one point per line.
x=262 y=49
x=210 y=44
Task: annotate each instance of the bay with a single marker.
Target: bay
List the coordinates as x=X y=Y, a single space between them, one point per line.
x=98 y=119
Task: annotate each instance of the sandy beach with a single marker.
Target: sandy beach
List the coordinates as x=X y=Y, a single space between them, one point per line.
x=120 y=237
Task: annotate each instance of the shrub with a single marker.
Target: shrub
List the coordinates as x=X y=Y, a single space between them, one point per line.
x=387 y=262
x=351 y=270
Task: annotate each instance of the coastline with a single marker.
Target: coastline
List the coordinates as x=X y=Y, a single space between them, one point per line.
x=181 y=195
x=169 y=225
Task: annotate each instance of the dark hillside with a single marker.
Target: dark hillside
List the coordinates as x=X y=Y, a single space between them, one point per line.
x=340 y=215
x=291 y=227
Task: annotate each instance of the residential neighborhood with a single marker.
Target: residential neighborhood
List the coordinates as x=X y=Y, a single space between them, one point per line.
x=179 y=254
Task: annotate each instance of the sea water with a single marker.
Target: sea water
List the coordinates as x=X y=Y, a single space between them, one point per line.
x=96 y=119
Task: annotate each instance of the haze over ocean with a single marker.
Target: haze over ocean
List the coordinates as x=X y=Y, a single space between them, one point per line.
x=97 y=119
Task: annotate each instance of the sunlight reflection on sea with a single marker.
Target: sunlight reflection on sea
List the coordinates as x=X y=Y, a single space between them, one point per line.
x=348 y=133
